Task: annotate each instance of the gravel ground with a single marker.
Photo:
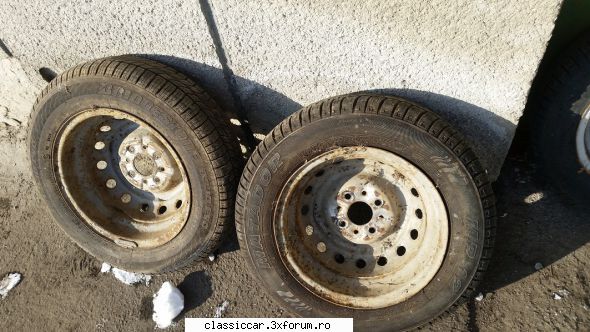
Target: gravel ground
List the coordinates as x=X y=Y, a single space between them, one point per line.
x=63 y=289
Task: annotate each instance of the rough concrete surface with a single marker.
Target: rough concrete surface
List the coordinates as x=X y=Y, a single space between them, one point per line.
x=472 y=61
x=63 y=290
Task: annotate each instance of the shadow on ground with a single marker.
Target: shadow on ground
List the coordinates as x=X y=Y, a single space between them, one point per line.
x=531 y=226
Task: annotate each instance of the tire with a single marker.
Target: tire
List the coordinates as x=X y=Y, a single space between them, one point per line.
x=153 y=218
x=410 y=135
x=560 y=107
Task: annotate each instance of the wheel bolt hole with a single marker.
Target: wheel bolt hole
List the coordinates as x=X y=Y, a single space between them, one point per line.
x=361 y=263
x=371 y=230
x=144 y=208
x=378 y=202
x=342 y=223
x=364 y=193
x=415 y=192
x=111 y=183
x=339 y=258
x=178 y=204
x=304 y=210
x=161 y=169
x=348 y=196
x=308 y=190
x=419 y=213
x=401 y=250
x=381 y=261
x=360 y=213
x=355 y=231
x=101 y=165
x=162 y=209
x=414 y=234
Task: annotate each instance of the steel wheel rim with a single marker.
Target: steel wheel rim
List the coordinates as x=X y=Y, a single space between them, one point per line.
x=122 y=178
x=583 y=140
x=382 y=246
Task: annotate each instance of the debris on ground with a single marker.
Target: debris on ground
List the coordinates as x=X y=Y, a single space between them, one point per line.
x=556 y=296
x=538 y=266
x=168 y=303
x=504 y=215
x=9 y=282
x=106 y=267
x=479 y=297
x=129 y=278
x=562 y=293
x=212 y=257
x=220 y=310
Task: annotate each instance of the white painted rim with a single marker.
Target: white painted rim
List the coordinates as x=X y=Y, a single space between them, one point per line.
x=361 y=227
x=122 y=178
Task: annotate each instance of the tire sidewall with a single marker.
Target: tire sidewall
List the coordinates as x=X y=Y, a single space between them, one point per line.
x=464 y=208
x=85 y=93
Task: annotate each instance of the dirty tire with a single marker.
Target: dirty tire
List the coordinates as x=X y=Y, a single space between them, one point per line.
x=177 y=110
x=555 y=121
x=380 y=123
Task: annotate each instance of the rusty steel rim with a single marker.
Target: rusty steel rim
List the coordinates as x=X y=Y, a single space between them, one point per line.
x=583 y=140
x=361 y=227
x=122 y=178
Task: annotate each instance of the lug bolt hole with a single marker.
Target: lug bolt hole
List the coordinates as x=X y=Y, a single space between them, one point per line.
x=378 y=202
x=161 y=169
x=304 y=210
x=414 y=234
x=401 y=250
x=381 y=261
x=371 y=230
x=348 y=196
x=178 y=204
x=342 y=223
x=355 y=231
x=339 y=258
x=162 y=209
x=419 y=213
x=361 y=263
x=414 y=192
x=364 y=193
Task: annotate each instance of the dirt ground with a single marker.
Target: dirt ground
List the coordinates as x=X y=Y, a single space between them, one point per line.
x=63 y=289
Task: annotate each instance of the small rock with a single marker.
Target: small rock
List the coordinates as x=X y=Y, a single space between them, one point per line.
x=479 y=297
x=556 y=296
x=219 y=311
x=9 y=282
x=538 y=266
x=212 y=257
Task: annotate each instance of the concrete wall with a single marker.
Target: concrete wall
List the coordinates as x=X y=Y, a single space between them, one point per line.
x=470 y=60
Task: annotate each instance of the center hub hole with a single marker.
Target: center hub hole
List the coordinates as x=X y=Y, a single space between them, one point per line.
x=360 y=213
